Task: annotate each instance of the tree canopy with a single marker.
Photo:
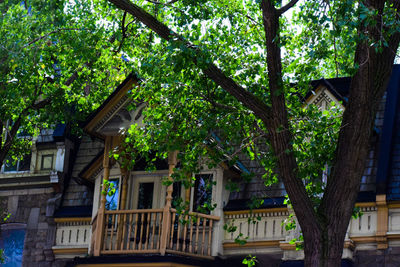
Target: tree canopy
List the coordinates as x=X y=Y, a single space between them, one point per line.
x=58 y=62
x=238 y=70
x=229 y=75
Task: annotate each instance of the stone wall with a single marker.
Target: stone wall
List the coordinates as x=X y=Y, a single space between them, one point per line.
x=34 y=208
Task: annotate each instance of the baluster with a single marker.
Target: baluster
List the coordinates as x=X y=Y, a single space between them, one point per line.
x=209 y=236
x=153 y=230
x=204 y=236
x=123 y=227
x=107 y=216
x=184 y=233
x=196 y=245
x=141 y=231
x=128 y=246
x=159 y=230
x=112 y=230
x=178 y=232
x=171 y=246
x=135 y=231
x=147 y=230
x=191 y=234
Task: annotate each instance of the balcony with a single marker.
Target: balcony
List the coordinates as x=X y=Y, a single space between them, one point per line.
x=156 y=231
x=72 y=237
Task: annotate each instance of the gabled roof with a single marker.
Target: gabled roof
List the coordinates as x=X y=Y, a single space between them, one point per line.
x=116 y=99
x=339 y=87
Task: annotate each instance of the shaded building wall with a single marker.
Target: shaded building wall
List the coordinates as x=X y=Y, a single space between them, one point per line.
x=32 y=207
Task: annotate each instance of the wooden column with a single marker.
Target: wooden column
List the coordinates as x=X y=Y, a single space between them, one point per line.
x=382 y=222
x=121 y=218
x=187 y=192
x=166 y=224
x=124 y=185
x=99 y=234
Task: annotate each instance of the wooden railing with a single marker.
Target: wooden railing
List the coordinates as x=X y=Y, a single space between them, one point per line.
x=142 y=231
x=259 y=225
x=132 y=231
x=72 y=234
x=191 y=233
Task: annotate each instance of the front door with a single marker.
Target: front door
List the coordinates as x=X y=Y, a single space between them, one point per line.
x=146 y=192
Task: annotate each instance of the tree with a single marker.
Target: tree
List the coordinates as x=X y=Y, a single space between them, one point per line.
x=57 y=64
x=219 y=65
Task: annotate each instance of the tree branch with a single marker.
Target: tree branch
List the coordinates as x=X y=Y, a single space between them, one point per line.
x=48 y=34
x=213 y=72
x=287 y=7
x=123 y=29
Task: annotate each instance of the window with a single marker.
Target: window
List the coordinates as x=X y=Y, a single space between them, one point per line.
x=112 y=202
x=145 y=199
x=202 y=193
x=12 y=242
x=176 y=194
x=47 y=162
x=17 y=166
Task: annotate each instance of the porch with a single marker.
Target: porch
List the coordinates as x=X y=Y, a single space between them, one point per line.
x=150 y=225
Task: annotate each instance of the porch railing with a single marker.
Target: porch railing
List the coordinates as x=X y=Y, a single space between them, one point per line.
x=143 y=231
x=191 y=233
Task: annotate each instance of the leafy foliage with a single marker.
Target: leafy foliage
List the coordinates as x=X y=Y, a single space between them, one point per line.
x=57 y=63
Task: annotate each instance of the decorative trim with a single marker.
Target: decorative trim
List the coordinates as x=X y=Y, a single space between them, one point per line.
x=394 y=205
x=363 y=239
x=72 y=219
x=251 y=244
x=271 y=210
x=322 y=93
x=70 y=250
x=365 y=204
x=287 y=246
x=107 y=116
x=109 y=108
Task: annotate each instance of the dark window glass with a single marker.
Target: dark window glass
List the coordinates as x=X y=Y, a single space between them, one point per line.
x=12 y=242
x=176 y=194
x=25 y=163
x=10 y=166
x=19 y=165
x=145 y=200
x=112 y=201
x=202 y=193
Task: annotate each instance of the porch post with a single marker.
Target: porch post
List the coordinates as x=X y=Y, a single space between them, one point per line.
x=99 y=234
x=166 y=225
x=122 y=221
x=187 y=192
x=124 y=176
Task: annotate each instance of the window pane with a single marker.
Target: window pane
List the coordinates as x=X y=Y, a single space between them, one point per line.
x=202 y=193
x=145 y=200
x=10 y=166
x=176 y=194
x=25 y=163
x=47 y=162
x=112 y=201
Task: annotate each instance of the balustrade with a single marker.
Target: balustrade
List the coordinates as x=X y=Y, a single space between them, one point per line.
x=141 y=231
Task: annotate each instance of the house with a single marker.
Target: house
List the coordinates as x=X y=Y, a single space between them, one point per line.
x=138 y=225
x=30 y=191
